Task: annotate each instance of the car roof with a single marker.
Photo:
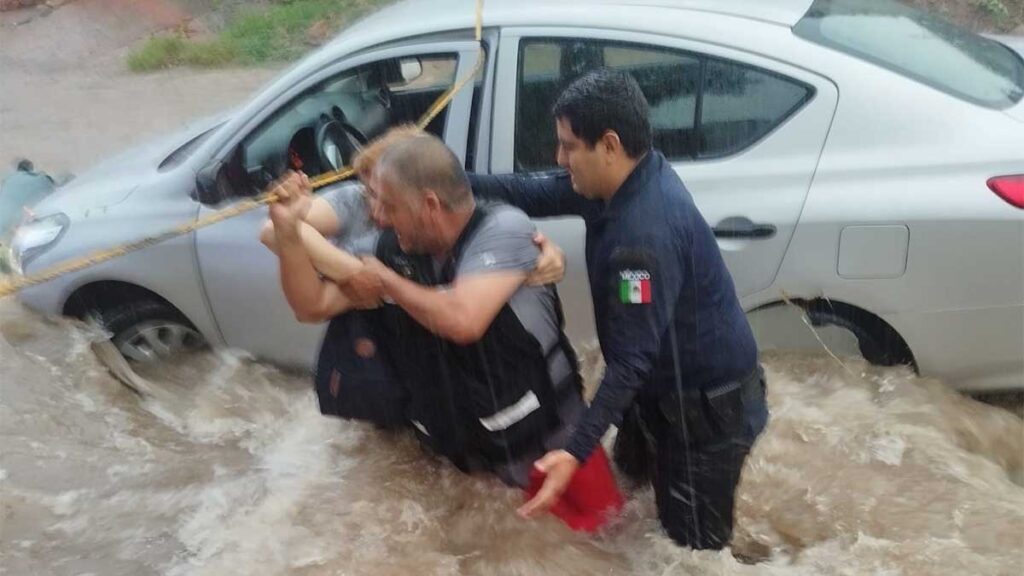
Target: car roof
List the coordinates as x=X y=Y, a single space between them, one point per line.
x=410 y=20
x=784 y=12
x=417 y=17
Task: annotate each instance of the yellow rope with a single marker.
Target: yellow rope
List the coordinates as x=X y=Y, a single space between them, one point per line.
x=13 y=285
x=445 y=98
x=241 y=207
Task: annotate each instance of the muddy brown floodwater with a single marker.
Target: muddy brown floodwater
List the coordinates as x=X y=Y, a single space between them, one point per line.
x=232 y=470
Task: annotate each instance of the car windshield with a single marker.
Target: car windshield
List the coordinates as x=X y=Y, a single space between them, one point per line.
x=920 y=46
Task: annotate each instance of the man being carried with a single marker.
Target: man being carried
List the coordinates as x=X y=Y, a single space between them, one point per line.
x=318 y=241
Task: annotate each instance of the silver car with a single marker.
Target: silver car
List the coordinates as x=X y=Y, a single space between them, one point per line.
x=856 y=158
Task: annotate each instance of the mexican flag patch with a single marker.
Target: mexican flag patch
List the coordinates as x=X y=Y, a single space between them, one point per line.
x=635 y=287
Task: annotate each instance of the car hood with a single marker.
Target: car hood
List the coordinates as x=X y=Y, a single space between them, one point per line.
x=112 y=181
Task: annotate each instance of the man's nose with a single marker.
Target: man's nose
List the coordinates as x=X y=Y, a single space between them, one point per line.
x=561 y=158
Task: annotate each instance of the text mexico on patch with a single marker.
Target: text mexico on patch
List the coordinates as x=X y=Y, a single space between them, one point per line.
x=635 y=287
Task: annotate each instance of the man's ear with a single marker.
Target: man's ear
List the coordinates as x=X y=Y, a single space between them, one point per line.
x=610 y=144
x=432 y=201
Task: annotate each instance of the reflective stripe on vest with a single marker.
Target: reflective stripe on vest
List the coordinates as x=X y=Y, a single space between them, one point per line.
x=514 y=413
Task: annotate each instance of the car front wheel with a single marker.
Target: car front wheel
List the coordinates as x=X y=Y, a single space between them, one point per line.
x=148 y=331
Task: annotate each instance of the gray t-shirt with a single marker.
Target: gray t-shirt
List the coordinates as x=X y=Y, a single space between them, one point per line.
x=504 y=241
x=358 y=233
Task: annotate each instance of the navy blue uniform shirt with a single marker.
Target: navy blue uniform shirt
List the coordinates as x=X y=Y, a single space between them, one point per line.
x=665 y=305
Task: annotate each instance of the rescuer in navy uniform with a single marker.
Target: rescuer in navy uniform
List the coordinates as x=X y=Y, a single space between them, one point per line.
x=677 y=344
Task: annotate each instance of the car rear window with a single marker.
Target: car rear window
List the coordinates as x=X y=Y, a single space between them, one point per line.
x=920 y=46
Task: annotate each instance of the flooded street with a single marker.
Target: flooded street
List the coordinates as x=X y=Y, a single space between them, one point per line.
x=231 y=470
x=68 y=109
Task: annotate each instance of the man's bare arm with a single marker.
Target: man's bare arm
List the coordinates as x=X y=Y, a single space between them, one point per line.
x=339 y=266
x=460 y=313
x=310 y=297
x=328 y=259
x=321 y=217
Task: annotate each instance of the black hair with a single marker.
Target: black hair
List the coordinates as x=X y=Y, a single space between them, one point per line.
x=603 y=100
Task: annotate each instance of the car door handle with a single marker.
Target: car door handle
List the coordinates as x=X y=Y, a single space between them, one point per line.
x=741 y=227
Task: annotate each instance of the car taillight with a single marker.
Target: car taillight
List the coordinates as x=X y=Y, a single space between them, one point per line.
x=1009 y=188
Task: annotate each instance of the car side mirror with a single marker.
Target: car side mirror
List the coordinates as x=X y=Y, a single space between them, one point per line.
x=410 y=68
x=212 y=185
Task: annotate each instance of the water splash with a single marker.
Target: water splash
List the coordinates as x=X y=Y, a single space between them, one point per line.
x=235 y=472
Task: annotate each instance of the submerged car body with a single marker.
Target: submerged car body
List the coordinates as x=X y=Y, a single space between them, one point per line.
x=859 y=160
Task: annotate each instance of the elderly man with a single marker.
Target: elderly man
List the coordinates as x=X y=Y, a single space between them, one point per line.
x=493 y=381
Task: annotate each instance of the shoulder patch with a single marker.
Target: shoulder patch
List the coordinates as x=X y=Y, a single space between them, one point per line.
x=635 y=287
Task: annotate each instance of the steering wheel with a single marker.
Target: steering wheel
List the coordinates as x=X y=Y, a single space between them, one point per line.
x=337 y=143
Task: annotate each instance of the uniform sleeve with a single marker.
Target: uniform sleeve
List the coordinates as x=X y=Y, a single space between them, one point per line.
x=504 y=242
x=644 y=285
x=540 y=196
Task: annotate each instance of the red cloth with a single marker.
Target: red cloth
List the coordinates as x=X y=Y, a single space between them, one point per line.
x=591 y=498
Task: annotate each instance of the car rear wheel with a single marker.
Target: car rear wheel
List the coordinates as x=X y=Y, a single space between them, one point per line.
x=840 y=328
x=878 y=343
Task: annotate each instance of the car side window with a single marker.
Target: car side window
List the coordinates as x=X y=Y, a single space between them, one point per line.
x=741 y=104
x=701 y=107
x=321 y=130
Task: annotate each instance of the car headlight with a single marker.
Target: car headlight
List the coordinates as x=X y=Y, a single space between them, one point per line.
x=35 y=237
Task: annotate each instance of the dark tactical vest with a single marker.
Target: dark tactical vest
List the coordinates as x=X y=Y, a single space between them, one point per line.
x=490 y=401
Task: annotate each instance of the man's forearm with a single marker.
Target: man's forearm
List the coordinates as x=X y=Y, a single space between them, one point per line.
x=434 y=309
x=302 y=286
x=615 y=394
x=327 y=258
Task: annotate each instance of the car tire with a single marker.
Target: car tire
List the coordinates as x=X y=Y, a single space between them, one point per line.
x=146 y=331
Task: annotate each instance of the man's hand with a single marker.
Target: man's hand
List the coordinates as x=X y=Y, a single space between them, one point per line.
x=363 y=289
x=550 y=264
x=374 y=266
x=559 y=466
x=294 y=199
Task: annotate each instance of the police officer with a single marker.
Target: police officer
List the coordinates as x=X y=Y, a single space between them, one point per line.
x=674 y=337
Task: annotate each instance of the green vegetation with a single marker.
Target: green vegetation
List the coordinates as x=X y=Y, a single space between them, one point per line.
x=277 y=32
x=996 y=10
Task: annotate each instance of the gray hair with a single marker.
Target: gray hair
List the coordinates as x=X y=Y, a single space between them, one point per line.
x=423 y=162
